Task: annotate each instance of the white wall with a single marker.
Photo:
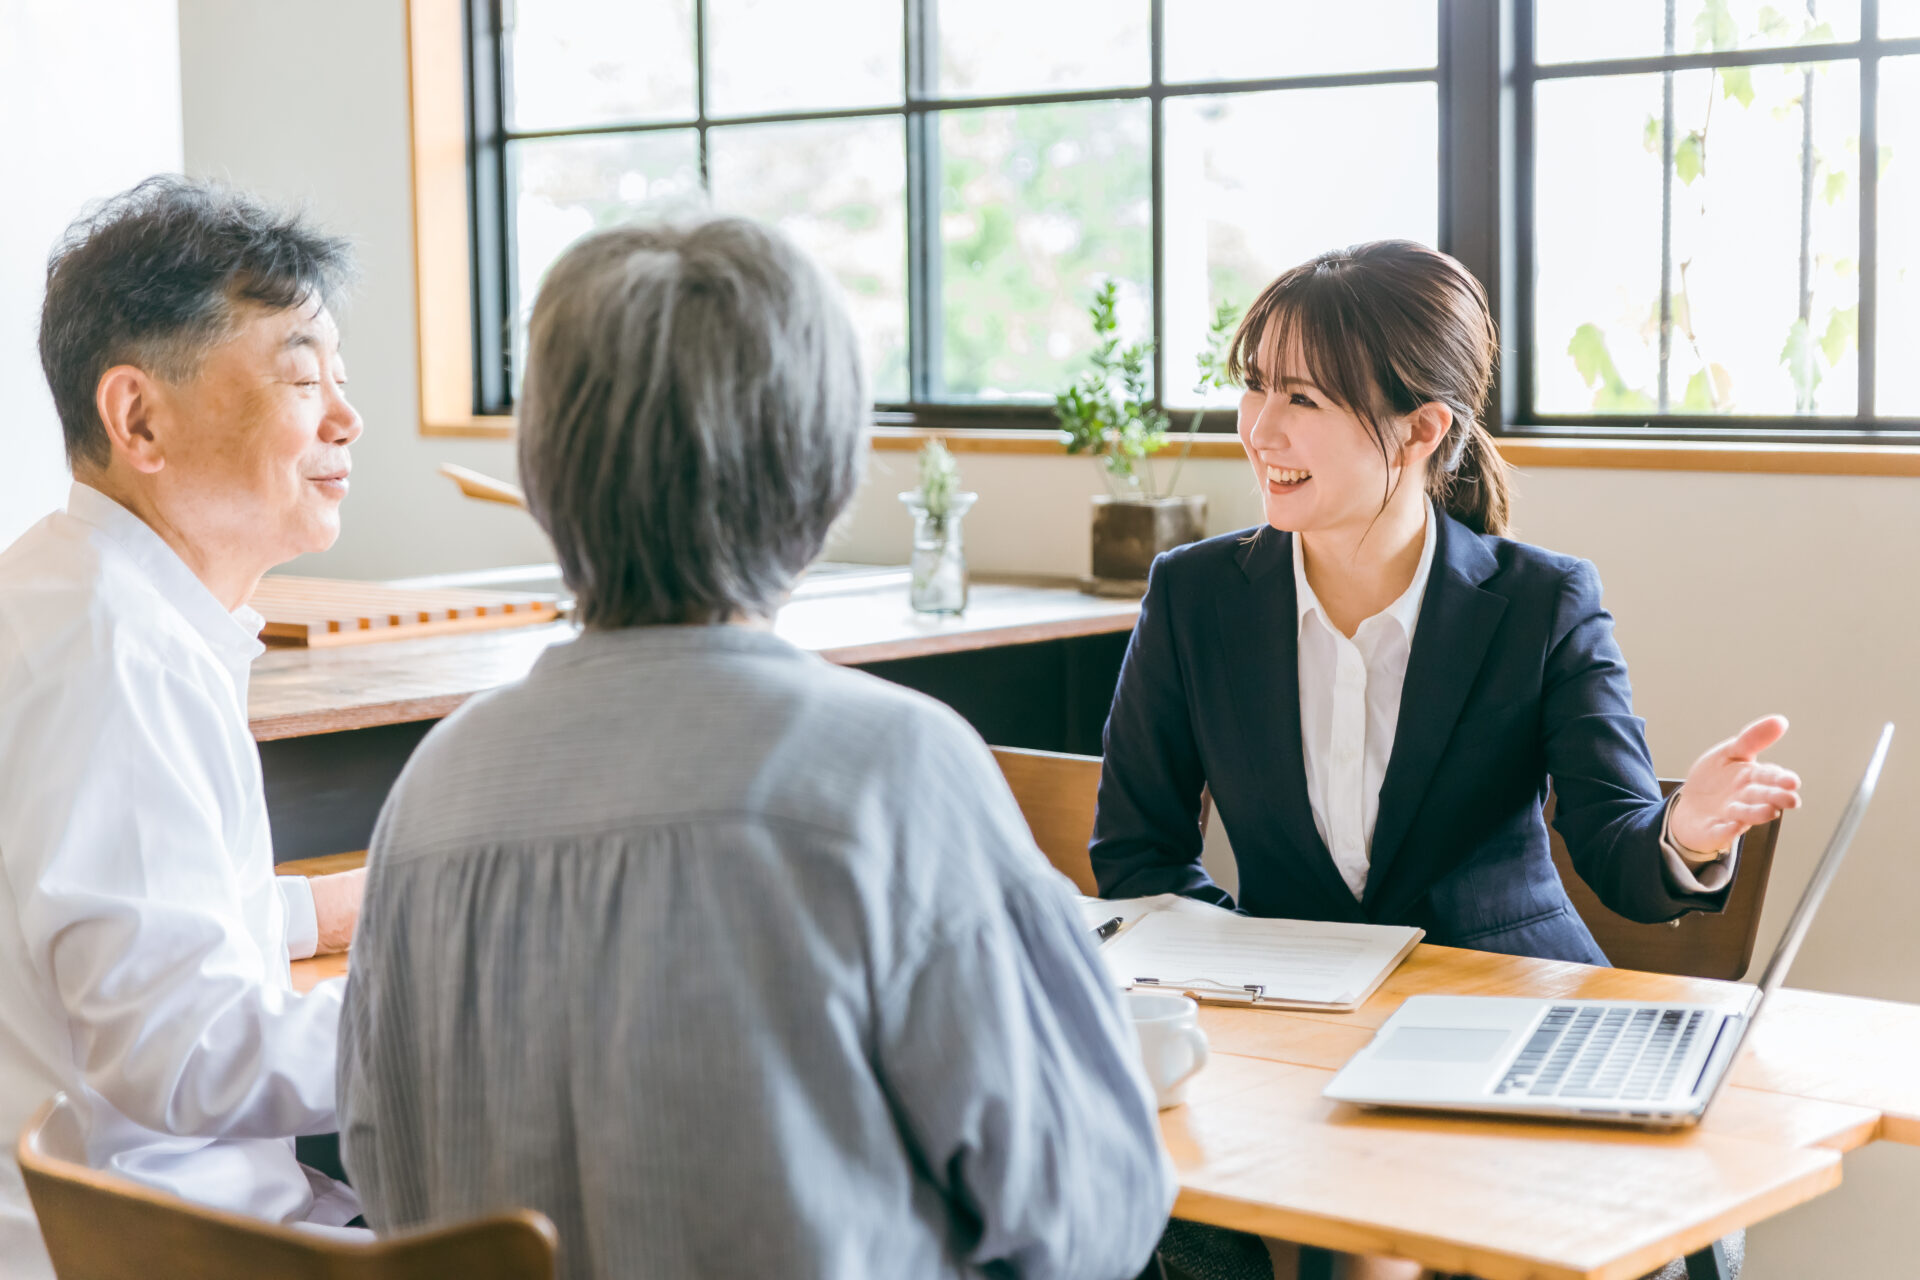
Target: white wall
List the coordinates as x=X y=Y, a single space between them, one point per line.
x=1736 y=595
x=89 y=105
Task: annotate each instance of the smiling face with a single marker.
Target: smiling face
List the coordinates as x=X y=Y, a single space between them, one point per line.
x=1318 y=466
x=255 y=444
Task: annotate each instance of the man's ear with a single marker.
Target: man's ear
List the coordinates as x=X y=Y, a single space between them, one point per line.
x=1427 y=427
x=129 y=403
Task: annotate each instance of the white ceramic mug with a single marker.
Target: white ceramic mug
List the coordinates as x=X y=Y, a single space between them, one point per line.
x=1173 y=1048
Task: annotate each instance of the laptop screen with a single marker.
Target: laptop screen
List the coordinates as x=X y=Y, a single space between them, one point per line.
x=1796 y=933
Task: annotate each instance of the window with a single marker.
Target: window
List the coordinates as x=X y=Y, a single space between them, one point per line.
x=1667 y=198
x=969 y=170
x=1720 y=221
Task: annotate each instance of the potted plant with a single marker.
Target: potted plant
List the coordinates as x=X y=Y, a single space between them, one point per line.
x=1108 y=412
x=939 y=562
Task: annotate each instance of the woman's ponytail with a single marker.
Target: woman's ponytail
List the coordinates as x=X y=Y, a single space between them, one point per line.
x=1475 y=489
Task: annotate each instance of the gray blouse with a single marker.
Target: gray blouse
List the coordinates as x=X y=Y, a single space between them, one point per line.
x=736 y=963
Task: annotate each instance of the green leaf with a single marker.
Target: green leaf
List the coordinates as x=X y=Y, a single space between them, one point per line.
x=1107 y=411
x=1650 y=136
x=939 y=477
x=1715 y=28
x=1699 y=397
x=1773 y=24
x=1798 y=356
x=1737 y=83
x=1623 y=399
x=1212 y=360
x=1590 y=356
x=1843 y=332
x=1690 y=158
x=1596 y=368
x=1836 y=186
x=1708 y=391
x=1820 y=34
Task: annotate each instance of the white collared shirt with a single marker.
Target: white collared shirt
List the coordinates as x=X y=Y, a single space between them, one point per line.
x=144 y=937
x=1350 y=710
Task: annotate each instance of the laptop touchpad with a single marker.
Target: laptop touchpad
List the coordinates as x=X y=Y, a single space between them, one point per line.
x=1441 y=1044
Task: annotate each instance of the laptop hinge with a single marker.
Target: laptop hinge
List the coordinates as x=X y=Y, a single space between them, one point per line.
x=1713 y=1052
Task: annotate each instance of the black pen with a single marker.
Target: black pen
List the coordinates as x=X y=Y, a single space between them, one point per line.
x=1108 y=929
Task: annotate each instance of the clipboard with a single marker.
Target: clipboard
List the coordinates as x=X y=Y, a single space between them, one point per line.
x=1178 y=945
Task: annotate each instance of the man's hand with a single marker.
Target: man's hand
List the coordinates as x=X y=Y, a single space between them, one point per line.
x=1729 y=790
x=336 y=908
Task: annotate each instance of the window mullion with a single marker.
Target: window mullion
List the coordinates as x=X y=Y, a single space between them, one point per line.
x=924 y=337
x=700 y=91
x=1867 y=331
x=492 y=251
x=1157 y=273
x=1667 y=148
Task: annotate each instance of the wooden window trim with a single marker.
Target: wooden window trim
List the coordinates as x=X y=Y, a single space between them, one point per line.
x=436 y=55
x=1606 y=455
x=442 y=246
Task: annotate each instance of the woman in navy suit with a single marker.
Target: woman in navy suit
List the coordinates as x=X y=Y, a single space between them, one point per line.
x=1376 y=686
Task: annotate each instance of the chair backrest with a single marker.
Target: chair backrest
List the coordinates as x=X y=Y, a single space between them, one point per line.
x=1057 y=793
x=1700 y=945
x=99 y=1226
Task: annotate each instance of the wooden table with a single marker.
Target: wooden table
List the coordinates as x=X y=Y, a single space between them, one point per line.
x=295 y=692
x=1258 y=1148
x=1031 y=663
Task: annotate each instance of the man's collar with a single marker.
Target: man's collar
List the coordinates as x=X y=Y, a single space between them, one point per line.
x=234 y=636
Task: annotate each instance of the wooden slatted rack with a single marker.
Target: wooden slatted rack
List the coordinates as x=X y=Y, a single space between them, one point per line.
x=320 y=612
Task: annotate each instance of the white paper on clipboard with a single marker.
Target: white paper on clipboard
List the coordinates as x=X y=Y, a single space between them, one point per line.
x=1177 y=944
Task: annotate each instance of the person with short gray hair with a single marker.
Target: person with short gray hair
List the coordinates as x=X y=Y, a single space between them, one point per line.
x=188 y=337
x=730 y=961
x=667 y=368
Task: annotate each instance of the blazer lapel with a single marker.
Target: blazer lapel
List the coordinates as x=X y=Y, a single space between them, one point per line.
x=1261 y=630
x=1457 y=623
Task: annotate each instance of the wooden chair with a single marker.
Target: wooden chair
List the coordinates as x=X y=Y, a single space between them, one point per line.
x=1057 y=792
x=1698 y=945
x=99 y=1226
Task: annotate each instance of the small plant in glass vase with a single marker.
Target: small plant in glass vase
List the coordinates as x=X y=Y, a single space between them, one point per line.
x=1109 y=413
x=939 y=563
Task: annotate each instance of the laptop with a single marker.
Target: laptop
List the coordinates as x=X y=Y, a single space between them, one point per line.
x=1652 y=1065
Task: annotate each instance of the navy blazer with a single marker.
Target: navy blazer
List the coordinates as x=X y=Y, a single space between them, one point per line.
x=1514 y=678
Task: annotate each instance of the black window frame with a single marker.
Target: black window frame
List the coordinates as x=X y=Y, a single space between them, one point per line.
x=488 y=197
x=1486 y=73
x=1864 y=425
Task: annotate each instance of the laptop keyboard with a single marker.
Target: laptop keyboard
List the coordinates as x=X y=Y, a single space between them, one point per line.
x=1619 y=1053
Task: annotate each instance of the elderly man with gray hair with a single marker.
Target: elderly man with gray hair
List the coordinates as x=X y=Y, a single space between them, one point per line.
x=732 y=962
x=144 y=938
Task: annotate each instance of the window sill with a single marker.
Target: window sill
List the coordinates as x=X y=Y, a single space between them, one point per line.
x=1610 y=455
x=473 y=427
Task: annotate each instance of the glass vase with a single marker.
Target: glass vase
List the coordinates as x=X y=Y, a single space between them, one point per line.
x=939 y=563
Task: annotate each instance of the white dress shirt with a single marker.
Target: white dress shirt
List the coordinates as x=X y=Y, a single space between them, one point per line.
x=144 y=938
x=1350 y=710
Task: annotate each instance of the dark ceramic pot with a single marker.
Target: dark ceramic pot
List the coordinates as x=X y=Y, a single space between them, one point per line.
x=1129 y=532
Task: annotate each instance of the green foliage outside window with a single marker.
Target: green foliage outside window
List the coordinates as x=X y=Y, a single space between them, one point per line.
x=1813 y=343
x=1079 y=175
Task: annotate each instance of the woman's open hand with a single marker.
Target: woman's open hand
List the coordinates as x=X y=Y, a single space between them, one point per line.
x=1729 y=790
